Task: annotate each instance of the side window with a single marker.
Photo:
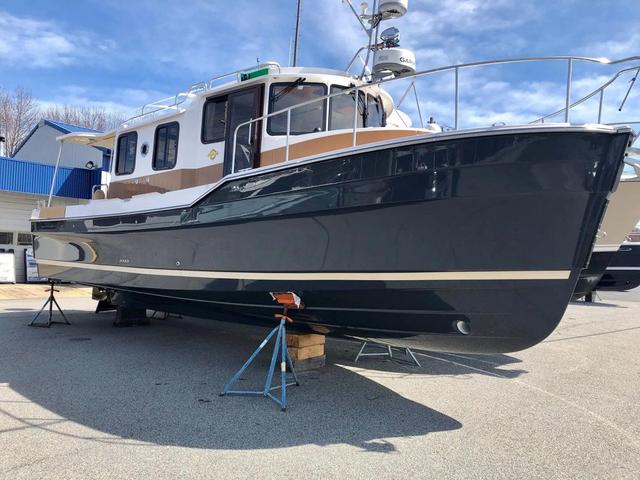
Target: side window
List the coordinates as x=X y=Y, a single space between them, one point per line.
x=341 y=109
x=165 y=146
x=375 y=112
x=6 y=238
x=214 y=120
x=25 y=238
x=305 y=119
x=126 y=158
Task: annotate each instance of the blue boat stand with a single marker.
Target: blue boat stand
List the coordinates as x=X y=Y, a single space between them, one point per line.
x=280 y=347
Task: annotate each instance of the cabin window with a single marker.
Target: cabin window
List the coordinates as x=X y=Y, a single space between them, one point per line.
x=375 y=112
x=305 y=119
x=25 y=239
x=126 y=158
x=214 y=120
x=165 y=146
x=342 y=107
x=6 y=238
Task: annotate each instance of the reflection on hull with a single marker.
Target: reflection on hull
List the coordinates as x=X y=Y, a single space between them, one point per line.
x=413 y=245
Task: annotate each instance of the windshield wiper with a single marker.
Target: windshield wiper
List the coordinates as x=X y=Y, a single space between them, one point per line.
x=287 y=89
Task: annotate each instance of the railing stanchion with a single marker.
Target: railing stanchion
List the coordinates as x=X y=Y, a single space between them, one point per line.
x=286 y=150
x=55 y=173
x=457 y=97
x=233 y=152
x=355 y=117
x=415 y=92
x=600 y=106
x=568 y=98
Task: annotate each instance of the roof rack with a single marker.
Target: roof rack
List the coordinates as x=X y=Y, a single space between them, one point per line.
x=174 y=102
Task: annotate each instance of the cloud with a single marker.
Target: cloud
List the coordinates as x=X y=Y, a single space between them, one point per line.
x=32 y=43
x=198 y=40
x=486 y=99
x=121 y=101
x=175 y=46
x=624 y=46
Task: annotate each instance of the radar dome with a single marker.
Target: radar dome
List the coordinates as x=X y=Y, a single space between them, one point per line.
x=397 y=61
x=393 y=8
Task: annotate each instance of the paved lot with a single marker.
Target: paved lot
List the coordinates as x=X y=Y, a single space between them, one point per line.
x=10 y=291
x=92 y=401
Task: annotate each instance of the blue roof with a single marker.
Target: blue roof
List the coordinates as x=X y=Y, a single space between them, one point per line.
x=31 y=177
x=68 y=128
x=62 y=128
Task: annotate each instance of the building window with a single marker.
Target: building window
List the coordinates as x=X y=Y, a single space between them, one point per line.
x=214 y=120
x=6 y=238
x=165 y=146
x=25 y=239
x=305 y=119
x=341 y=108
x=126 y=158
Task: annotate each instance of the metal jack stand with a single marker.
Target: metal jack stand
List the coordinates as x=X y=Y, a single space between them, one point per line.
x=288 y=300
x=387 y=353
x=50 y=301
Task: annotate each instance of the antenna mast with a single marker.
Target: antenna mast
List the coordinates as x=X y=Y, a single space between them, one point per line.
x=296 y=38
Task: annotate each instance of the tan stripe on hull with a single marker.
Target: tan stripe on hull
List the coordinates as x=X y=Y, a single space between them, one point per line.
x=165 y=181
x=325 y=276
x=329 y=143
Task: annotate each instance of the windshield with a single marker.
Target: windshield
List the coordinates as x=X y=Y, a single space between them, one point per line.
x=305 y=119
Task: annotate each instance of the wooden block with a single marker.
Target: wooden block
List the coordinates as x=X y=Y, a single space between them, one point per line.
x=306 y=352
x=309 y=363
x=299 y=340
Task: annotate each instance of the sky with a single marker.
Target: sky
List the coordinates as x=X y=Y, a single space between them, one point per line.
x=121 y=54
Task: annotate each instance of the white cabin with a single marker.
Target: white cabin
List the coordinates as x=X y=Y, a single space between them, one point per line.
x=188 y=141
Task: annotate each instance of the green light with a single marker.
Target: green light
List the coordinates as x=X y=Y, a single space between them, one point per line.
x=254 y=74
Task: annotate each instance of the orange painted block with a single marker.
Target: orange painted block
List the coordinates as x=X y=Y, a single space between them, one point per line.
x=298 y=340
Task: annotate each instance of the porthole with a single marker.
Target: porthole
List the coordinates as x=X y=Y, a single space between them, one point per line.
x=144 y=148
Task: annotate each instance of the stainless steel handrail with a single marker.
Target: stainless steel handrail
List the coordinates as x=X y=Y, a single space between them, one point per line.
x=179 y=98
x=599 y=90
x=456 y=69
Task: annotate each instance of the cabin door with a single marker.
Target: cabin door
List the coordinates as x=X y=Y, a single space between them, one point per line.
x=243 y=106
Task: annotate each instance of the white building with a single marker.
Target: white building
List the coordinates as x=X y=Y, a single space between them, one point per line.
x=26 y=178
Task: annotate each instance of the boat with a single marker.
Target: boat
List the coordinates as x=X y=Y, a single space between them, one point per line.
x=623 y=272
x=311 y=180
x=623 y=212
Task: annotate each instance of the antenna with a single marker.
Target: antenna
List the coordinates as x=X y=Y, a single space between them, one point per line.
x=388 y=58
x=290 y=50
x=296 y=38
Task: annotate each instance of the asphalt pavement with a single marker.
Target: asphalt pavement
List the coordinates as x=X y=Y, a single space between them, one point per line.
x=93 y=401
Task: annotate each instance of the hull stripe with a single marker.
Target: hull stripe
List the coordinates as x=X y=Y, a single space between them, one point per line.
x=327 y=276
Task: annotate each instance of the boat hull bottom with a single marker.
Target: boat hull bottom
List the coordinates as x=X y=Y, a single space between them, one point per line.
x=469 y=316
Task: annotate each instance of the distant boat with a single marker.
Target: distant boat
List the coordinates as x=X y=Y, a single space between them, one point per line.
x=623 y=212
x=623 y=271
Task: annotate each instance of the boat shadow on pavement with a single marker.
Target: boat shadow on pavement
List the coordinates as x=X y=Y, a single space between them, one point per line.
x=160 y=384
